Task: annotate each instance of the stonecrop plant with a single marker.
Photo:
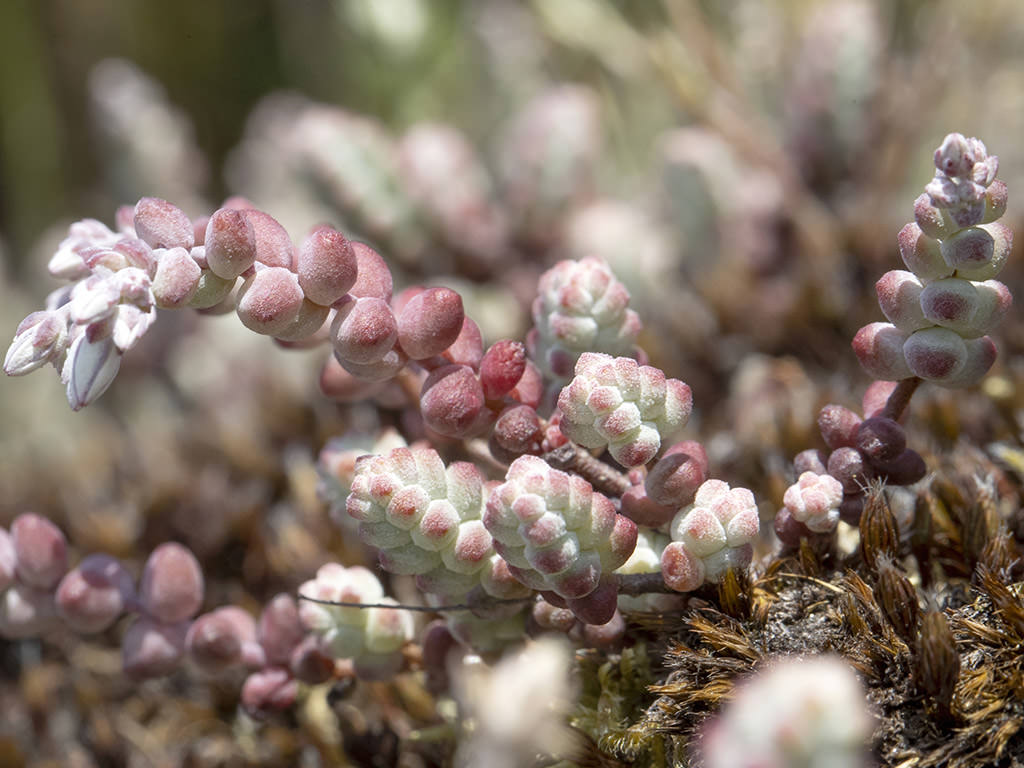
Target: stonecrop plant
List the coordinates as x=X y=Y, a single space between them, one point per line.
x=550 y=489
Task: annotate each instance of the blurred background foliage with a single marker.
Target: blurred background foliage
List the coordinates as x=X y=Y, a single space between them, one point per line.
x=924 y=67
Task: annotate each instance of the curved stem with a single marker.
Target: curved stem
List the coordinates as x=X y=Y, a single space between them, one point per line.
x=605 y=479
x=899 y=399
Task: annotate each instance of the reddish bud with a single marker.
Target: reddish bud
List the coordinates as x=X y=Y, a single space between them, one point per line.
x=501 y=368
x=172 y=584
x=452 y=401
x=326 y=266
x=230 y=241
x=430 y=322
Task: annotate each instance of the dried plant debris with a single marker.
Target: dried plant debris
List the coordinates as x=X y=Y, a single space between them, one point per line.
x=946 y=684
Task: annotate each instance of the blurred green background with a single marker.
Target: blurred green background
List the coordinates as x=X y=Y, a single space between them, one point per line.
x=469 y=61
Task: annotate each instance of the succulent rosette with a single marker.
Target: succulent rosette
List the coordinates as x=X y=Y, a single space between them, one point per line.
x=714 y=533
x=557 y=534
x=629 y=408
x=580 y=307
x=940 y=310
x=425 y=520
x=372 y=637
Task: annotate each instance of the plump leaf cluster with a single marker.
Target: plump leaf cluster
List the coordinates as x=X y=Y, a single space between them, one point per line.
x=558 y=535
x=714 y=533
x=629 y=408
x=372 y=637
x=940 y=310
x=425 y=520
x=580 y=307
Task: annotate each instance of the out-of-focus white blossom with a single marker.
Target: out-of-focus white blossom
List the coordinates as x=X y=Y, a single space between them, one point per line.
x=517 y=710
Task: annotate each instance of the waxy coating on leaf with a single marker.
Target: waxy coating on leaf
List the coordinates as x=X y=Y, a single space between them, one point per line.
x=814 y=501
x=555 y=532
x=879 y=347
x=430 y=322
x=230 y=242
x=371 y=636
x=711 y=535
x=176 y=280
x=270 y=301
x=899 y=296
x=373 y=278
x=162 y=224
x=941 y=313
x=501 y=368
x=628 y=407
x=580 y=307
x=364 y=330
x=274 y=248
x=326 y=265
x=452 y=401
x=675 y=478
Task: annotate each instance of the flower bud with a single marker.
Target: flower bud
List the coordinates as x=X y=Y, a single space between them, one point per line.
x=91 y=367
x=41 y=337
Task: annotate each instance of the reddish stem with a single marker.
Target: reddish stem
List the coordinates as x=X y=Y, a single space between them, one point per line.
x=899 y=399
